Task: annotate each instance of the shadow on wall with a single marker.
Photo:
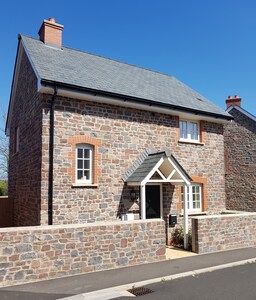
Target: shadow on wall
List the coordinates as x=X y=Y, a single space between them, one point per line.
x=129 y=202
x=168 y=192
x=6 y=212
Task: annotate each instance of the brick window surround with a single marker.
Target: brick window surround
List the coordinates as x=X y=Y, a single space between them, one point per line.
x=74 y=140
x=201 y=131
x=203 y=182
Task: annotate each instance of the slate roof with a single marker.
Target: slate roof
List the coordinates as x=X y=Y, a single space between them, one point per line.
x=84 y=70
x=148 y=164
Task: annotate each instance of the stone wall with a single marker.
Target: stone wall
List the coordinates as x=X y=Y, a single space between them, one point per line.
x=223 y=232
x=24 y=178
x=120 y=136
x=240 y=146
x=36 y=253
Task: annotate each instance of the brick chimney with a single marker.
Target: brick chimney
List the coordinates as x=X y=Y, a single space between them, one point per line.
x=51 y=33
x=233 y=101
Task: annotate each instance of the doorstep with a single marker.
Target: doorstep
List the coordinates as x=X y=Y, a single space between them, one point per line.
x=174 y=253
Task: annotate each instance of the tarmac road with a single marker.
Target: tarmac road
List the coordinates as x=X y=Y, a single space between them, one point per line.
x=236 y=283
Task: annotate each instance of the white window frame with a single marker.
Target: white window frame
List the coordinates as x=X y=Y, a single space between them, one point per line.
x=186 y=130
x=191 y=197
x=90 y=148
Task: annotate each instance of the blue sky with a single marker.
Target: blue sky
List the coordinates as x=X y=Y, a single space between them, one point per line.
x=208 y=45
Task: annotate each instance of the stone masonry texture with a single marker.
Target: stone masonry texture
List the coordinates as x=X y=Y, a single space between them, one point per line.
x=35 y=253
x=122 y=135
x=240 y=146
x=119 y=136
x=223 y=232
x=24 y=177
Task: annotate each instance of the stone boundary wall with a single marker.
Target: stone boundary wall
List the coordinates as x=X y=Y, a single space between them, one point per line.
x=223 y=232
x=36 y=253
x=6 y=212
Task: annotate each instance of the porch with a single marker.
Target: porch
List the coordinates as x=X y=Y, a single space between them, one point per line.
x=156 y=170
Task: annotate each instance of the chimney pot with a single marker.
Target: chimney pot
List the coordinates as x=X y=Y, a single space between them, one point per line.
x=50 y=33
x=233 y=101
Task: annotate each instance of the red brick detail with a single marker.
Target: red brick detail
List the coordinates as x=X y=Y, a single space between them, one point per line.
x=233 y=101
x=179 y=203
x=51 y=32
x=226 y=158
x=203 y=182
x=177 y=118
x=74 y=140
x=202 y=131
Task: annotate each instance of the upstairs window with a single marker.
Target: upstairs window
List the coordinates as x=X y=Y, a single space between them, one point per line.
x=84 y=163
x=189 y=131
x=194 y=193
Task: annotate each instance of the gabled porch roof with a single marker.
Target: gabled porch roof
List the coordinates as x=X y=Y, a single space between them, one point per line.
x=159 y=168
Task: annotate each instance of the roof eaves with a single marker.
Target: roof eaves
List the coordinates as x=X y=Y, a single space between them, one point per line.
x=136 y=100
x=242 y=110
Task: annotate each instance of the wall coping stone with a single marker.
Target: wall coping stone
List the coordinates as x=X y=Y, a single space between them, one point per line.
x=228 y=215
x=84 y=225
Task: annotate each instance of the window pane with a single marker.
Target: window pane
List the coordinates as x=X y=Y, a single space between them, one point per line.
x=197 y=205
x=86 y=153
x=80 y=153
x=80 y=164
x=79 y=174
x=196 y=196
x=183 y=129
x=194 y=131
x=86 y=175
x=86 y=164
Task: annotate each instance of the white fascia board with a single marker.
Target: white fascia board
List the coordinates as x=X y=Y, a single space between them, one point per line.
x=243 y=111
x=131 y=104
x=177 y=168
x=172 y=173
x=150 y=174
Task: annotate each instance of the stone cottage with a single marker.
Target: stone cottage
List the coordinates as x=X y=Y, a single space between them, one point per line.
x=93 y=139
x=240 y=149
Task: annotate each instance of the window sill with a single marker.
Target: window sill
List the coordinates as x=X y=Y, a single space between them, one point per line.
x=190 y=142
x=84 y=185
x=196 y=213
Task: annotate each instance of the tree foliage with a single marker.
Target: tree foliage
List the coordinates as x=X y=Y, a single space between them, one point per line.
x=3 y=188
x=4 y=151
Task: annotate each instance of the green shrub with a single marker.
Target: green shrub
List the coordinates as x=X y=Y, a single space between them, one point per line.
x=178 y=238
x=3 y=188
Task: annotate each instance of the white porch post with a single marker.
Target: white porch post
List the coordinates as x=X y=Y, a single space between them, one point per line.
x=185 y=211
x=143 y=202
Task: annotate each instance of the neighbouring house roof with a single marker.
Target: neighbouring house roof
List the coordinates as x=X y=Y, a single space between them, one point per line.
x=159 y=167
x=242 y=110
x=86 y=71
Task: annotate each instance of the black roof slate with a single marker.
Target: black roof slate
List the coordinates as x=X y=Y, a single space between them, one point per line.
x=81 y=69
